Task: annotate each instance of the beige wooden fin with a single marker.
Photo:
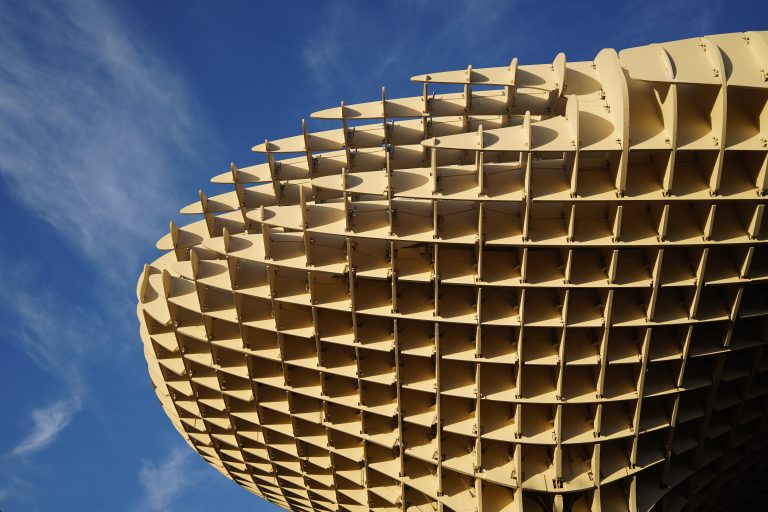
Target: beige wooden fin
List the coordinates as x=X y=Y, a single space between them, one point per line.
x=651 y=63
x=484 y=76
x=758 y=45
x=558 y=68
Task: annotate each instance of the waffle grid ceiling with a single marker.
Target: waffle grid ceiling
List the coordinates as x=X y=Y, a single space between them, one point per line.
x=545 y=293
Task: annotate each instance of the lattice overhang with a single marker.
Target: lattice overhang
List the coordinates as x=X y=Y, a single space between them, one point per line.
x=544 y=291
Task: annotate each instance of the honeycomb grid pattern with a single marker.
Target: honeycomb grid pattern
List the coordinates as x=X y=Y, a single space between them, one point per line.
x=542 y=289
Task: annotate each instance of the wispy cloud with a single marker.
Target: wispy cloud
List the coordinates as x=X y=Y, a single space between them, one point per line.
x=92 y=125
x=48 y=422
x=323 y=54
x=164 y=481
x=657 y=20
x=61 y=335
x=95 y=125
x=395 y=34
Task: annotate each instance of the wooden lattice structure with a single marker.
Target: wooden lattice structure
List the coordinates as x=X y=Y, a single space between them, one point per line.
x=528 y=288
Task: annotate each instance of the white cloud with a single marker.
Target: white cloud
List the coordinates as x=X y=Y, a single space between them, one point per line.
x=323 y=56
x=48 y=423
x=4 y=493
x=57 y=332
x=353 y=50
x=92 y=125
x=659 y=20
x=164 y=481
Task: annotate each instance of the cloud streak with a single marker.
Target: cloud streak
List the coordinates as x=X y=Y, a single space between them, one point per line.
x=661 y=19
x=92 y=124
x=93 y=127
x=48 y=422
x=59 y=337
x=164 y=481
x=422 y=32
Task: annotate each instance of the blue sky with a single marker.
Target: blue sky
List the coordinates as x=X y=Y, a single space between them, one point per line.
x=113 y=115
